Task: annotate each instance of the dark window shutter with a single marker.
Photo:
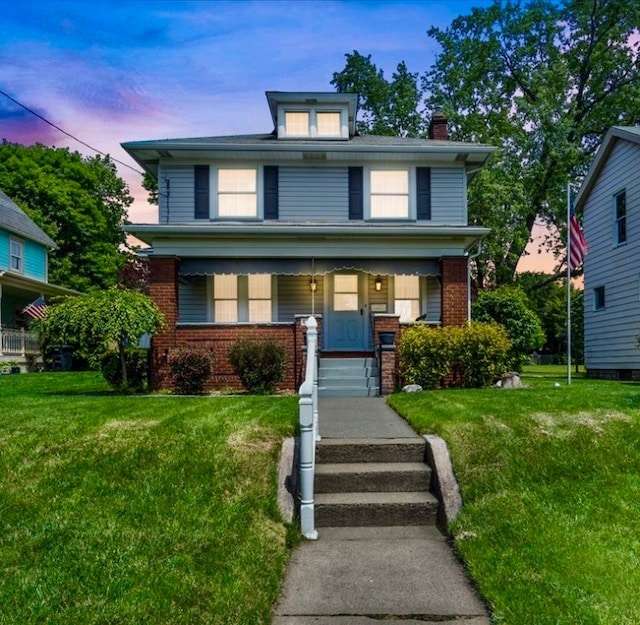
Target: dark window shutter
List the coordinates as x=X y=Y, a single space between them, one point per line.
x=270 y=192
x=201 y=195
x=356 y=193
x=423 y=192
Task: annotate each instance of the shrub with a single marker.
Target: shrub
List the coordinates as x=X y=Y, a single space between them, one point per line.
x=258 y=364
x=136 y=361
x=483 y=354
x=190 y=370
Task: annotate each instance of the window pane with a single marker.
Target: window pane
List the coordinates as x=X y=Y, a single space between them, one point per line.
x=225 y=287
x=345 y=284
x=260 y=286
x=345 y=301
x=226 y=311
x=234 y=205
x=407 y=287
x=296 y=124
x=237 y=180
x=328 y=124
x=260 y=310
x=389 y=206
x=408 y=309
x=390 y=182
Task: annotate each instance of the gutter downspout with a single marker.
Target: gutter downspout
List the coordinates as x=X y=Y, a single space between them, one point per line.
x=469 y=259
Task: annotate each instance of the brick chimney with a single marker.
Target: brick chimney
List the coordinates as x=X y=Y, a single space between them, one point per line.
x=438 y=126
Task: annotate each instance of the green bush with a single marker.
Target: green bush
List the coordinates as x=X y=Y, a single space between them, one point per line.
x=190 y=370
x=258 y=364
x=137 y=369
x=472 y=356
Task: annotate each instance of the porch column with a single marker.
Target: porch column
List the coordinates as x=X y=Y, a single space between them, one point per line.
x=163 y=289
x=453 y=271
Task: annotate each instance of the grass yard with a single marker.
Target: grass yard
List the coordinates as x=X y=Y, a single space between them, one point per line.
x=136 y=510
x=550 y=479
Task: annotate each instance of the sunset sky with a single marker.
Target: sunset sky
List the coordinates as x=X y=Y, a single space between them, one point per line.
x=110 y=71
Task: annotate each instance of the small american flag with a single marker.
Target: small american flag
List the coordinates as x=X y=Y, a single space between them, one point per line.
x=578 y=245
x=37 y=309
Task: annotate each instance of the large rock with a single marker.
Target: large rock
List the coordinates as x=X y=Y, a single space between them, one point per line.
x=510 y=380
x=412 y=388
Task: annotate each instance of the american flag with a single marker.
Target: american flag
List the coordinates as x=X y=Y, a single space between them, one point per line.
x=37 y=309
x=578 y=243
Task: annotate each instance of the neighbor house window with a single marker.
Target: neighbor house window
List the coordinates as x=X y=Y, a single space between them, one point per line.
x=242 y=298
x=16 y=253
x=328 y=124
x=620 y=201
x=389 y=191
x=598 y=298
x=296 y=123
x=237 y=193
x=407 y=298
x=259 y=296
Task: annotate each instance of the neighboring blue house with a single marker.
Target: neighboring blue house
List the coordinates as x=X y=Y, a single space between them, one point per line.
x=24 y=253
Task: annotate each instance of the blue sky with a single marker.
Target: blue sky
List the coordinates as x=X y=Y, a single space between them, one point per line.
x=110 y=71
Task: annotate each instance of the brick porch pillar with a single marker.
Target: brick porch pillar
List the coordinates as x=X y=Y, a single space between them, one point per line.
x=453 y=271
x=163 y=289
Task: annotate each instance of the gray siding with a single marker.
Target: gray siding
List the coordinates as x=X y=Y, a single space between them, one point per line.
x=180 y=201
x=294 y=296
x=192 y=299
x=314 y=193
x=610 y=333
x=448 y=196
x=434 y=308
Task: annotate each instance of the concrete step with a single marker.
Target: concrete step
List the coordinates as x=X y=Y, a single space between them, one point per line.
x=375 y=509
x=372 y=477
x=341 y=450
x=339 y=363
x=348 y=391
x=346 y=381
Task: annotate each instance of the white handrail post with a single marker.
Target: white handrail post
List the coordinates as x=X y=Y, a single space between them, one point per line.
x=23 y=341
x=308 y=427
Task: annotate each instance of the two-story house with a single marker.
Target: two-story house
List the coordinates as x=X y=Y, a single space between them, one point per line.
x=609 y=199
x=24 y=279
x=256 y=232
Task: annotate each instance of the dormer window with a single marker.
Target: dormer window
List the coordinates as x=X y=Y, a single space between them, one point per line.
x=296 y=124
x=315 y=124
x=328 y=124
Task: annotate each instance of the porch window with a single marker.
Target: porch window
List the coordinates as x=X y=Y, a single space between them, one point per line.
x=389 y=194
x=225 y=298
x=296 y=123
x=407 y=298
x=259 y=291
x=16 y=254
x=237 y=193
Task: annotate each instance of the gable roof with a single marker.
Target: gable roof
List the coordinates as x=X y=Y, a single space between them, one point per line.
x=13 y=219
x=614 y=134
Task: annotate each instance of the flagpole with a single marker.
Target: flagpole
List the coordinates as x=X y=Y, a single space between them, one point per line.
x=568 y=283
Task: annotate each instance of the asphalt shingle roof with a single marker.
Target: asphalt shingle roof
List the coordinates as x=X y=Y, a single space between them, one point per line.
x=12 y=218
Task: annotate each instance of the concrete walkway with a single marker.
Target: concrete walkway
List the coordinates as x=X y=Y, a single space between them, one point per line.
x=375 y=575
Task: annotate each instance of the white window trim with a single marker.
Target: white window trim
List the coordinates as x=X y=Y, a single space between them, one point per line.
x=313 y=124
x=20 y=244
x=366 y=183
x=614 y=209
x=213 y=191
x=242 y=302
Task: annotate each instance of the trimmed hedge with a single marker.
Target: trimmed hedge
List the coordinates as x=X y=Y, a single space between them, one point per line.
x=190 y=370
x=472 y=356
x=258 y=364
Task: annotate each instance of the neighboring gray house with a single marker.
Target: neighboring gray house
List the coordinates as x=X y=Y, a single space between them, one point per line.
x=24 y=278
x=609 y=200
x=256 y=232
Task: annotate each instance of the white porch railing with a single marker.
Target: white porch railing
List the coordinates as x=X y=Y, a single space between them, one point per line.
x=18 y=342
x=308 y=407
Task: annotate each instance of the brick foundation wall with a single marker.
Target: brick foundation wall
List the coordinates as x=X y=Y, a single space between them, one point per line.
x=453 y=273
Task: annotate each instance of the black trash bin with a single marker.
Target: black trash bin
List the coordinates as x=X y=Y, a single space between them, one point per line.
x=61 y=357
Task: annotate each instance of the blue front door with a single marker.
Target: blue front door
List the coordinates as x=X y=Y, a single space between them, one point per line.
x=347 y=315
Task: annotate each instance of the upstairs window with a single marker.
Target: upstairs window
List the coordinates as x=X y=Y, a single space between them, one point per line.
x=389 y=194
x=16 y=254
x=620 y=203
x=237 y=193
x=297 y=124
x=312 y=123
x=407 y=298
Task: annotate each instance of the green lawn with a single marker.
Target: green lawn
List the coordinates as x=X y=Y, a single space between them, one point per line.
x=550 y=479
x=119 y=509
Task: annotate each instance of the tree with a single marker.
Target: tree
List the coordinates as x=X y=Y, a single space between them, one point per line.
x=543 y=81
x=385 y=108
x=509 y=307
x=80 y=202
x=95 y=320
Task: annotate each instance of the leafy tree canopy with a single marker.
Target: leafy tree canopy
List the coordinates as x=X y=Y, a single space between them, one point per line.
x=80 y=202
x=541 y=80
